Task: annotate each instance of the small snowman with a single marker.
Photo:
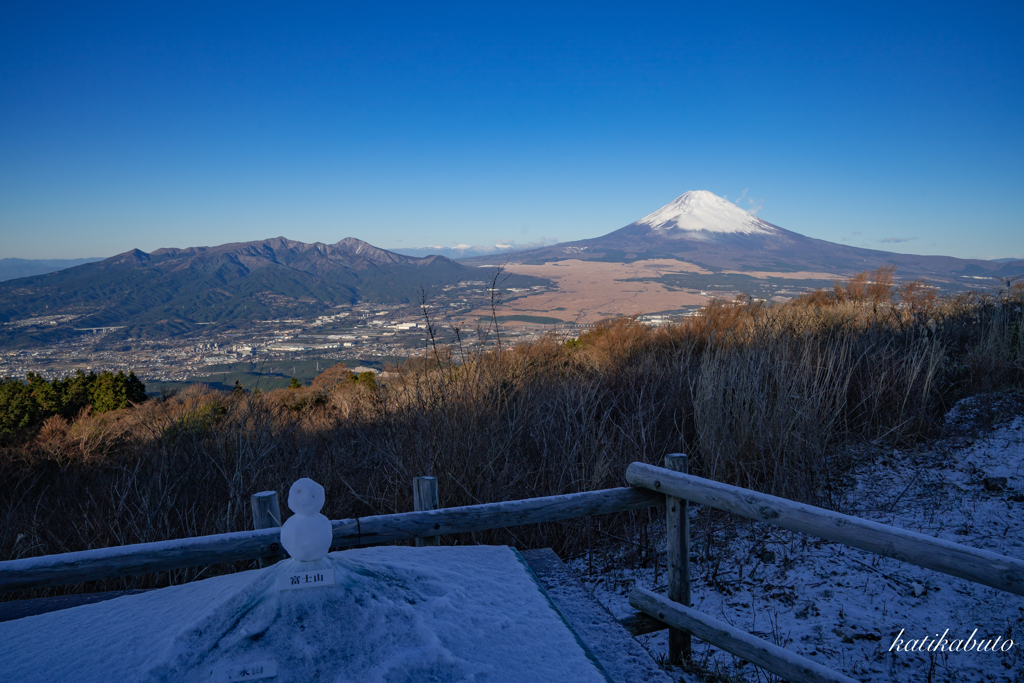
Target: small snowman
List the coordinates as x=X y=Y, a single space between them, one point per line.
x=306 y=535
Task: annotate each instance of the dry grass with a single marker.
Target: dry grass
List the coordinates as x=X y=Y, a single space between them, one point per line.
x=767 y=397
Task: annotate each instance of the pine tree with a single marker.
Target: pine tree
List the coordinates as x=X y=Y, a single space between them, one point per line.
x=18 y=410
x=25 y=405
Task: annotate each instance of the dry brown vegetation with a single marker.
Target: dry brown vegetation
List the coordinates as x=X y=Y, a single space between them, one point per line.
x=775 y=398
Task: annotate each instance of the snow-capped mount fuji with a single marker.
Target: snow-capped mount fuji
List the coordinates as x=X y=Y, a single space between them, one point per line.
x=706 y=230
x=702 y=214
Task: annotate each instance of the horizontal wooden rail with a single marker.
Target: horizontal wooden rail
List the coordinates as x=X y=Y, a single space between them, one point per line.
x=980 y=566
x=89 y=565
x=770 y=657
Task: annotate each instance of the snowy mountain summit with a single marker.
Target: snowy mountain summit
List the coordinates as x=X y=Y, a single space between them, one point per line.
x=701 y=228
x=701 y=211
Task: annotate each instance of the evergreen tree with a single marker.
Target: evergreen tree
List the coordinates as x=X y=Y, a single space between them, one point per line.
x=76 y=392
x=24 y=405
x=18 y=409
x=47 y=395
x=107 y=392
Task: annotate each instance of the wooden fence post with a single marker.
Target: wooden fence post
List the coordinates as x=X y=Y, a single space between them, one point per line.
x=266 y=514
x=424 y=497
x=677 y=529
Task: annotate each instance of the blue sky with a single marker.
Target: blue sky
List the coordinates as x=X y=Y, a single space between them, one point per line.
x=893 y=126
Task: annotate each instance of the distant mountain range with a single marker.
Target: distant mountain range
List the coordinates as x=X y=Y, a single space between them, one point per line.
x=12 y=268
x=463 y=251
x=171 y=291
x=704 y=229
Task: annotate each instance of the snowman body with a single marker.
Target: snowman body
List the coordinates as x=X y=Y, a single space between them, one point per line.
x=306 y=535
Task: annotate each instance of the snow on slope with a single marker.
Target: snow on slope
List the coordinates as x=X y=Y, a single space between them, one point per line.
x=843 y=607
x=394 y=615
x=699 y=211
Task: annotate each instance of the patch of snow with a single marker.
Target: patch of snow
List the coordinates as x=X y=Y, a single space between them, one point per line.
x=394 y=614
x=702 y=212
x=843 y=607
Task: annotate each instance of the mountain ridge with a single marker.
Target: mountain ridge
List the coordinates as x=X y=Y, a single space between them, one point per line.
x=171 y=291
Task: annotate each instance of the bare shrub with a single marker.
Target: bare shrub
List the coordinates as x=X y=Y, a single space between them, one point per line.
x=52 y=438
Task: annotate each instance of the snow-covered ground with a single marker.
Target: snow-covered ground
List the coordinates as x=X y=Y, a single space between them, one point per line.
x=371 y=615
x=843 y=607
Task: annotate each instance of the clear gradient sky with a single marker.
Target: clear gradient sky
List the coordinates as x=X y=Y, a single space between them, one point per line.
x=145 y=125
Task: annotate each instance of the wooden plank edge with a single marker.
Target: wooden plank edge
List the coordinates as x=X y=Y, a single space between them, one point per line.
x=625 y=660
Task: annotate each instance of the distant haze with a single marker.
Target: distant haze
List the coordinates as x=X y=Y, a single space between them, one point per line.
x=13 y=268
x=467 y=251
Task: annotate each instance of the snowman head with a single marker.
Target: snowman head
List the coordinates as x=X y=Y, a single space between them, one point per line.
x=306 y=497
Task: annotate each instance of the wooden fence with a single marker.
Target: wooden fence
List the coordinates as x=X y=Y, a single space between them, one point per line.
x=979 y=566
x=89 y=565
x=670 y=486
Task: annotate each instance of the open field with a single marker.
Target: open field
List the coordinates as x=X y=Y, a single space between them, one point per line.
x=588 y=291
x=591 y=290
